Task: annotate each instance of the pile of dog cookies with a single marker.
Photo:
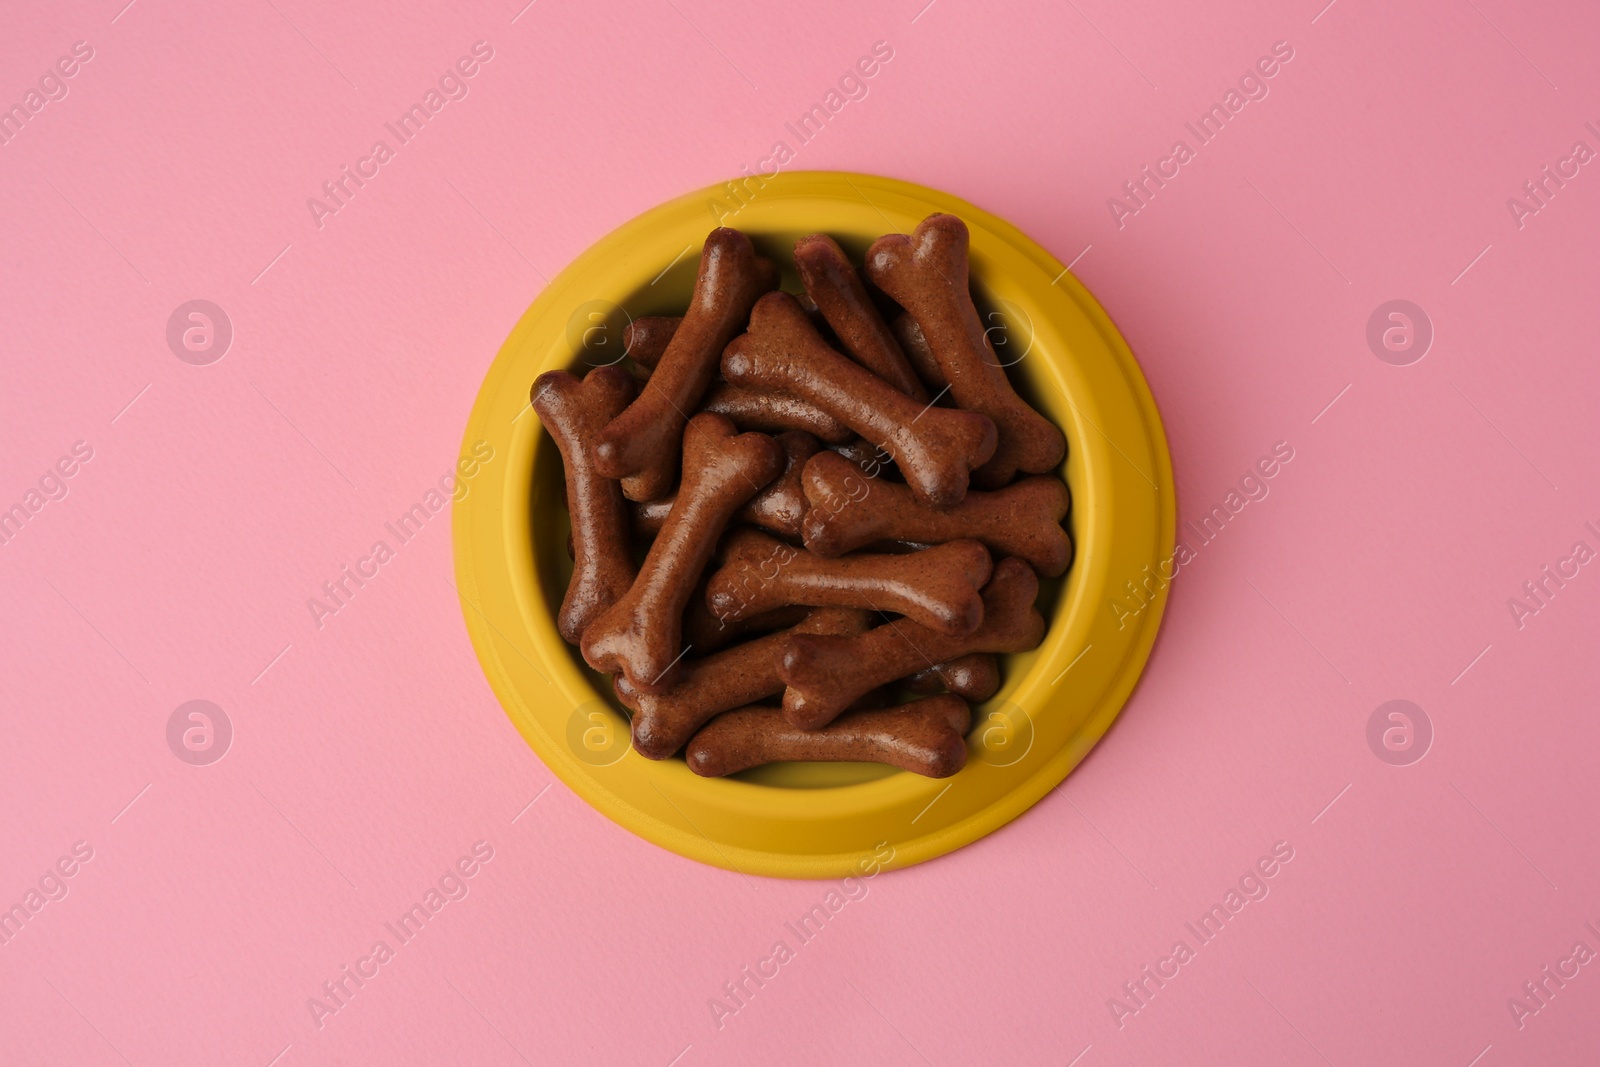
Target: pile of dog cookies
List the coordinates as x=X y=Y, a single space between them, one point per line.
x=771 y=561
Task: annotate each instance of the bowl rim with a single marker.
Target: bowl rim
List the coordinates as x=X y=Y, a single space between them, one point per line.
x=1123 y=521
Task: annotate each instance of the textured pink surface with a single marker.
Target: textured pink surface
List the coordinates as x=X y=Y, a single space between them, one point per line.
x=368 y=755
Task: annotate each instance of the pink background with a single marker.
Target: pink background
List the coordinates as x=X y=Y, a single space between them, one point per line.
x=369 y=754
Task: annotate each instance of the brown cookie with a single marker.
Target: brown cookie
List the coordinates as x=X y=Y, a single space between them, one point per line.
x=836 y=289
x=974 y=678
x=639 y=635
x=868 y=458
x=937 y=587
x=641 y=445
x=574 y=412
x=773 y=412
x=664 y=722
x=750 y=409
x=926 y=274
x=935 y=448
x=1023 y=519
x=780 y=507
x=824 y=675
x=646 y=338
x=926 y=737
x=707 y=633
x=918 y=354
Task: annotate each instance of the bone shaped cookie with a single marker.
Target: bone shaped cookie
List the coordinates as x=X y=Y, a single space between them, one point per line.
x=824 y=675
x=706 y=633
x=646 y=338
x=935 y=448
x=779 y=507
x=773 y=412
x=573 y=412
x=639 y=634
x=926 y=274
x=867 y=457
x=836 y=289
x=974 y=678
x=743 y=674
x=1023 y=519
x=918 y=354
x=750 y=409
x=926 y=737
x=937 y=587
x=641 y=445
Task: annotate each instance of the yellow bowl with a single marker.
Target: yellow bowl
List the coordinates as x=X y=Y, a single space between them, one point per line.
x=822 y=820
